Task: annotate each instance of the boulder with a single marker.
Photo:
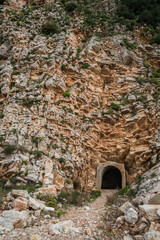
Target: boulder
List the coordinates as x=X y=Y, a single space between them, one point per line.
x=20 y=193
x=13 y=219
x=128 y=237
x=20 y=204
x=3 y=52
x=138 y=237
x=34 y=204
x=154 y=235
x=155 y=200
x=48 y=209
x=158 y=212
x=60 y=227
x=125 y=207
x=150 y=211
x=131 y=216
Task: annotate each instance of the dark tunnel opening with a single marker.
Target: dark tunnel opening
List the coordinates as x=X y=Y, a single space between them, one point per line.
x=112 y=178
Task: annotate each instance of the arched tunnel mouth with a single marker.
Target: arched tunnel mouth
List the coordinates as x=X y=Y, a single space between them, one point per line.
x=111 y=178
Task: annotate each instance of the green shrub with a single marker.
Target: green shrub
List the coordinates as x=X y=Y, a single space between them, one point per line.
x=129 y=45
x=1 y=115
x=63 y=67
x=35 y=140
x=143 y=11
x=90 y=21
x=156 y=39
x=69 y=181
x=155 y=81
x=125 y=101
x=75 y=198
x=110 y=111
x=66 y=94
x=70 y=7
x=115 y=106
x=146 y=64
x=140 y=80
x=138 y=179
x=61 y=160
x=156 y=74
x=28 y=102
x=50 y=27
x=85 y=65
x=9 y=149
x=38 y=154
x=127 y=191
x=142 y=98
x=76 y=184
x=95 y=194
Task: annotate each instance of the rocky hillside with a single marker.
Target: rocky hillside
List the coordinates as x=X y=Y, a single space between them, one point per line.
x=79 y=86
x=75 y=93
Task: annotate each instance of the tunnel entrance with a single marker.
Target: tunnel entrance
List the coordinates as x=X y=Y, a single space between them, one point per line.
x=112 y=178
x=110 y=175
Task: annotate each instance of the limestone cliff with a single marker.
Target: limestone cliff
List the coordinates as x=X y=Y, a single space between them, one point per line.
x=75 y=98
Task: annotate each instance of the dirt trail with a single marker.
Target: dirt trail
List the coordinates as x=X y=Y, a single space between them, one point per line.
x=88 y=218
x=86 y=221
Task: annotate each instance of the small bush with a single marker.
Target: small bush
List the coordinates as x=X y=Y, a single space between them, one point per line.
x=9 y=149
x=110 y=111
x=69 y=181
x=115 y=106
x=1 y=115
x=70 y=7
x=140 y=80
x=35 y=140
x=85 y=65
x=142 y=98
x=156 y=39
x=66 y=94
x=138 y=179
x=129 y=45
x=38 y=154
x=63 y=67
x=95 y=194
x=50 y=27
x=61 y=160
x=76 y=184
x=125 y=101
x=127 y=191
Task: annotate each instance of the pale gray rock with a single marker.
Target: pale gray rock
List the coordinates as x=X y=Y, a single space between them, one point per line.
x=60 y=227
x=20 y=193
x=158 y=212
x=128 y=237
x=138 y=237
x=125 y=207
x=34 y=204
x=131 y=216
x=11 y=219
x=154 y=235
x=3 y=51
x=49 y=209
x=150 y=211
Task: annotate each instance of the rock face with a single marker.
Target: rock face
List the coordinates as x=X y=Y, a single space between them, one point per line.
x=11 y=218
x=68 y=104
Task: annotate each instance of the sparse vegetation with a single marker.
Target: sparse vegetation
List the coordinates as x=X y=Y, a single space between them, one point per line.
x=8 y=150
x=66 y=94
x=115 y=106
x=85 y=65
x=50 y=27
x=127 y=192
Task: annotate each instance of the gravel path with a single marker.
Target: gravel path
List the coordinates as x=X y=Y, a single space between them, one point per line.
x=87 y=221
